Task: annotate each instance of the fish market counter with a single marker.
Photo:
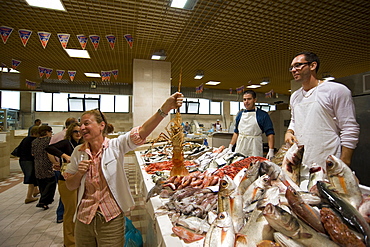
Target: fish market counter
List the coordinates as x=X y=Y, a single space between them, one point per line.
x=159 y=227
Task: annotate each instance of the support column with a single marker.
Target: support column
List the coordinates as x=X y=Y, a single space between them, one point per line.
x=151 y=86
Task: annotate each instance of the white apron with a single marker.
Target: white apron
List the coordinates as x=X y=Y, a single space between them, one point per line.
x=249 y=140
x=317 y=131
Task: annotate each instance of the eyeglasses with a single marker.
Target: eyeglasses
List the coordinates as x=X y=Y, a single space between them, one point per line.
x=298 y=66
x=76 y=131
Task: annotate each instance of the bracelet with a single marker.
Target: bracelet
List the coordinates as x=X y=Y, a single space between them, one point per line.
x=162 y=113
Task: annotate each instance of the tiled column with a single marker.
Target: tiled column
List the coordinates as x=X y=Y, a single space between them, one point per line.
x=151 y=87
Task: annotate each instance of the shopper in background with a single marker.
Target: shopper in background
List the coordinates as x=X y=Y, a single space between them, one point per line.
x=26 y=161
x=63 y=150
x=43 y=167
x=187 y=128
x=322 y=116
x=250 y=124
x=37 y=123
x=55 y=160
x=218 y=127
x=96 y=169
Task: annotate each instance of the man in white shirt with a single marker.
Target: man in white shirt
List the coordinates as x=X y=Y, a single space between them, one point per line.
x=322 y=116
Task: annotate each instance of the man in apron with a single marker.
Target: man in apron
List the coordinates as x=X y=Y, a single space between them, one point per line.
x=322 y=117
x=249 y=127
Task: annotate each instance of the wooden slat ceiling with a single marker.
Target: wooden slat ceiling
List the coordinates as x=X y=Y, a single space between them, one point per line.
x=234 y=42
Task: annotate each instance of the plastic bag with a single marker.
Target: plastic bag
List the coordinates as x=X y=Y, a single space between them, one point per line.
x=133 y=237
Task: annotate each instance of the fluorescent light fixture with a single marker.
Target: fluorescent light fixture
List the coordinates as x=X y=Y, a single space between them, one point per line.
x=5 y=70
x=77 y=53
x=49 y=4
x=213 y=83
x=329 y=78
x=264 y=83
x=159 y=55
x=199 y=75
x=253 y=86
x=184 y=4
x=92 y=75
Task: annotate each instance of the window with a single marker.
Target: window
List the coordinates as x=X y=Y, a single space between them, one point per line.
x=10 y=99
x=236 y=106
x=200 y=106
x=81 y=102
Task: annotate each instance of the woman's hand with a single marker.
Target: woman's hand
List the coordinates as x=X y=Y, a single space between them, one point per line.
x=290 y=138
x=67 y=158
x=173 y=102
x=84 y=166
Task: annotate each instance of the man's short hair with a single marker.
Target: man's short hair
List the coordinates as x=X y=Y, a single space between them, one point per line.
x=251 y=92
x=37 y=120
x=310 y=57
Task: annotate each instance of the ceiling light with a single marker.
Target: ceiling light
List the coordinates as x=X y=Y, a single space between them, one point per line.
x=49 y=4
x=253 y=86
x=184 y=4
x=77 y=53
x=265 y=81
x=159 y=55
x=10 y=70
x=213 y=83
x=199 y=75
x=92 y=75
x=327 y=76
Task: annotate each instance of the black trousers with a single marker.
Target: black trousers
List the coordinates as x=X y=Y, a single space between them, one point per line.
x=47 y=188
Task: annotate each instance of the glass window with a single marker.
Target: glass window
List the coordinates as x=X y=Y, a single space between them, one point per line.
x=203 y=106
x=76 y=104
x=215 y=108
x=10 y=99
x=122 y=103
x=234 y=107
x=107 y=103
x=76 y=95
x=91 y=104
x=60 y=102
x=44 y=101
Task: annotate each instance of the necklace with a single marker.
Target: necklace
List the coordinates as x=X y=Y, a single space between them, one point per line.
x=312 y=90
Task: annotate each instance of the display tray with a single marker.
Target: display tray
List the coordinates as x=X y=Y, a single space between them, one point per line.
x=161 y=223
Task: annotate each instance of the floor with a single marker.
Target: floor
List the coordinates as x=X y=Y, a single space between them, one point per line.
x=25 y=225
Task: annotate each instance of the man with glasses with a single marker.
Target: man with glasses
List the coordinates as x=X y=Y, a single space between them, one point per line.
x=322 y=116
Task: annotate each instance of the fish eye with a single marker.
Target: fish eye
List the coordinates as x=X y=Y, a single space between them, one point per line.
x=224 y=183
x=330 y=164
x=222 y=216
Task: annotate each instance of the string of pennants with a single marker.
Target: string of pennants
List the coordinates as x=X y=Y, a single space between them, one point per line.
x=63 y=38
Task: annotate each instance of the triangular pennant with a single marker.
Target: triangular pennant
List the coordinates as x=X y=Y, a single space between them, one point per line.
x=15 y=63
x=115 y=73
x=60 y=74
x=41 y=71
x=83 y=40
x=111 y=39
x=44 y=38
x=95 y=41
x=63 y=38
x=129 y=39
x=30 y=84
x=48 y=72
x=24 y=35
x=5 y=33
x=72 y=74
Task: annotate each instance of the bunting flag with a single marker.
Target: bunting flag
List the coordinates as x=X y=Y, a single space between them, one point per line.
x=231 y=90
x=129 y=39
x=269 y=94
x=63 y=38
x=60 y=74
x=95 y=41
x=240 y=89
x=115 y=73
x=30 y=84
x=5 y=33
x=48 y=72
x=199 y=89
x=24 y=35
x=15 y=63
x=71 y=74
x=105 y=75
x=44 y=38
x=41 y=71
x=83 y=40
x=111 y=39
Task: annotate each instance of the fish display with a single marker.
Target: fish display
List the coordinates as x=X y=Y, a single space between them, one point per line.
x=292 y=162
x=255 y=202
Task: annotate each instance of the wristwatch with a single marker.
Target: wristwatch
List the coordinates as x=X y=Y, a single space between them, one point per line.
x=161 y=113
